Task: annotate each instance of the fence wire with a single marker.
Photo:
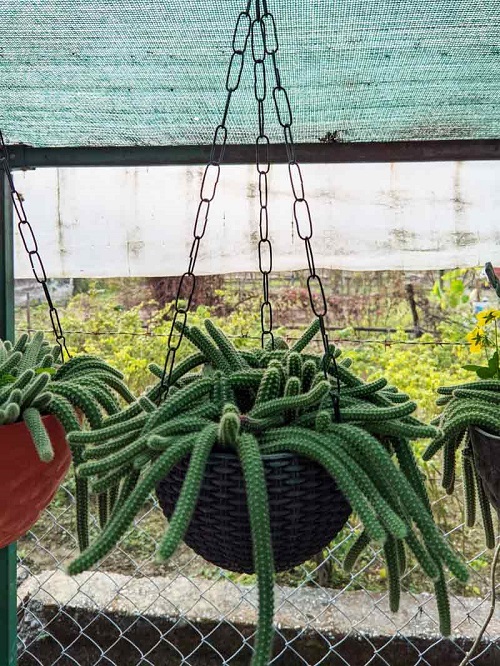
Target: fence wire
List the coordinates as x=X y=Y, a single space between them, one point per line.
x=131 y=611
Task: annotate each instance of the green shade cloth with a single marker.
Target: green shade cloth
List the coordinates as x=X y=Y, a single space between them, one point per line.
x=152 y=72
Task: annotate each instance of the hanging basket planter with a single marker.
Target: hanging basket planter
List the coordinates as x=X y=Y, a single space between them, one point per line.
x=470 y=424
x=306 y=509
x=291 y=423
x=40 y=401
x=486 y=453
x=27 y=485
x=256 y=474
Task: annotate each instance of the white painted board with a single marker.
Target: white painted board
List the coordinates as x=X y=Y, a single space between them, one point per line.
x=106 y=222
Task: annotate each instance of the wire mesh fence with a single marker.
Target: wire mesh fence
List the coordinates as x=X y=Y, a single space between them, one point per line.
x=132 y=611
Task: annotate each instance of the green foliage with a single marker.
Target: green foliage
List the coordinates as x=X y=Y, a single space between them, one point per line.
x=450 y=290
x=98 y=325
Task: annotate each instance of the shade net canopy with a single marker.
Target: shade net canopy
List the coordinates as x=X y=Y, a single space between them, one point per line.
x=149 y=72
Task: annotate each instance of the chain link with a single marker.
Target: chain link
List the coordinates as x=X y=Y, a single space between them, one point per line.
x=187 y=282
x=31 y=246
x=264 y=247
x=301 y=210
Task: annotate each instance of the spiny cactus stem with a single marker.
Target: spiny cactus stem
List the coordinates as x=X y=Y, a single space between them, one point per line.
x=124 y=516
x=39 y=434
x=185 y=505
x=258 y=506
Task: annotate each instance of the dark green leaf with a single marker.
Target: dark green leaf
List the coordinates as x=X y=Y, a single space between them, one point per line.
x=486 y=373
x=49 y=371
x=6 y=379
x=474 y=368
x=493 y=362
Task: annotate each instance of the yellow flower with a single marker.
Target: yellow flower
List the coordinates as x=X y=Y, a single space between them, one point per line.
x=476 y=339
x=485 y=316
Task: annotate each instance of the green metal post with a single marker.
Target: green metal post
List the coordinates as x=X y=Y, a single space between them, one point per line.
x=8 y=565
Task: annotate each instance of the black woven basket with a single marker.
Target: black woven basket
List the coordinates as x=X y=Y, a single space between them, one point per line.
x=307 y=510
x=486 y=449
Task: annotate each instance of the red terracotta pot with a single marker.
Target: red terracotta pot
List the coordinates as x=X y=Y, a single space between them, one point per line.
x=27 y=485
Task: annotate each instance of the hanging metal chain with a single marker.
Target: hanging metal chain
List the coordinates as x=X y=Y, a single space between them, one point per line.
x=187 y=282
x=301 y=210
x=265 y=250
x=31 y=246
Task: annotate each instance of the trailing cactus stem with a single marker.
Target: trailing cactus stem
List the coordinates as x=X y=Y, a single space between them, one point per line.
x=41 y=439
x=122 y=519
x=188 y=497
x=258 y=507
x=391 y=558
x=356 y=550
x=469 y=487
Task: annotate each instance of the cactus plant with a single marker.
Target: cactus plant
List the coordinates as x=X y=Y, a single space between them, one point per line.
x=34 y=383
x=260 y=402
x=466 y=408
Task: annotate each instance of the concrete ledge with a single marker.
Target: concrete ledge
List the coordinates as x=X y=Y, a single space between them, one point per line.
x=127 y=618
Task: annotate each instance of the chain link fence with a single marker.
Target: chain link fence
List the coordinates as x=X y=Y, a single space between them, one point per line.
x=131 y=611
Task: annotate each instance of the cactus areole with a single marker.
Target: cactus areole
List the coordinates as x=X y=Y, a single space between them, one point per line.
x=27 y=484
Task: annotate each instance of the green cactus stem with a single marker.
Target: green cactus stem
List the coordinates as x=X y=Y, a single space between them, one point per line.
x=306 y=337
x=104 y=434
x=355 y=551
x=121 y=520
x=365 y=390
x=233 y=359
x=282 y=405
x=110 y=478
x=229 y=428
x=393 y=573
x=469 y=487
x=484 y=505
x=184 y=508
x=178 y=403
x=258 y=508
x=270 y=386
x=30 y=354
x=187 y=365
x=443 y=604
x=10 y=363
x=41 y=439
x=400 y=546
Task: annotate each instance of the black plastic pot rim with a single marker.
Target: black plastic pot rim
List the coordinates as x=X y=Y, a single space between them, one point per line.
x=486 y=434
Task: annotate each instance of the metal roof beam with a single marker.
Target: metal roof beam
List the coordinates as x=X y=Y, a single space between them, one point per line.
x=27 y=157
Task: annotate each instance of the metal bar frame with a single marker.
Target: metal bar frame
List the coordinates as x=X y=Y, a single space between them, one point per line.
x=27 y=157
x=8 y=555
